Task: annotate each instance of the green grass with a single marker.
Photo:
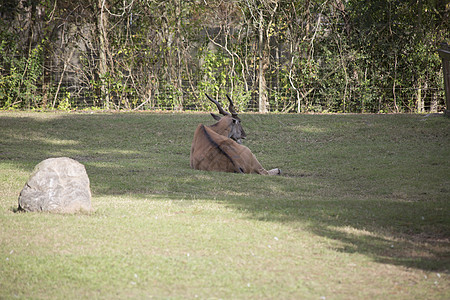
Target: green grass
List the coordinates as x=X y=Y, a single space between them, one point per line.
x=361 y=212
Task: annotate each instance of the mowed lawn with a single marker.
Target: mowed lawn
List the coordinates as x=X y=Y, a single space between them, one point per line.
x=361 y=210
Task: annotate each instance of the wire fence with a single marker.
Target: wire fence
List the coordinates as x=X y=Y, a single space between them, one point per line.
x=72 y=87
x=77 y=96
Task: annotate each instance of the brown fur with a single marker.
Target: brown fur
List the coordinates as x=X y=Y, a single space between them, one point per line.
x=213 y=150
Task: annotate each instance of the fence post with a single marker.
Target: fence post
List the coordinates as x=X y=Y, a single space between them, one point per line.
x=444 y=53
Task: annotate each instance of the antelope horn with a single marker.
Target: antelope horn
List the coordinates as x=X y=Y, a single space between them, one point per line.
x=223 y=112
x=231 y=107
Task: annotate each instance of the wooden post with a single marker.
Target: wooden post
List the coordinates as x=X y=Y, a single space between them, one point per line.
x=444 y=53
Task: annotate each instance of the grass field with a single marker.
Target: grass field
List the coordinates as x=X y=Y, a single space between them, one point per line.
x=361 y=211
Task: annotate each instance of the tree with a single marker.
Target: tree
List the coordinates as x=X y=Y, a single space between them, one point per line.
x=270 y=55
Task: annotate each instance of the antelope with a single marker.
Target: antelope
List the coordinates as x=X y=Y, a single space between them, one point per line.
x=219 y=147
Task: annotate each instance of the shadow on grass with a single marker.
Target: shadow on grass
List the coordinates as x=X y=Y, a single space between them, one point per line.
x=410 y=234
x=141 y=154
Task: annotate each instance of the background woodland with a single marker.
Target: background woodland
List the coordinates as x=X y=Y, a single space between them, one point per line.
x=269 y=55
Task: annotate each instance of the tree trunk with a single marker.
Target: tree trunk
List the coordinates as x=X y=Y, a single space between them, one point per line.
x=102 y=21
x=262 y=87
x=179 y=80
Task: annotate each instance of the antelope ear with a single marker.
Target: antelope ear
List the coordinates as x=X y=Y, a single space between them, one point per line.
x=216 y=117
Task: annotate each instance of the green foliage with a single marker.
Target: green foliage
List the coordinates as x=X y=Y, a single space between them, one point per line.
x=317 y=56
x=65 y=104
x=170 y=97
x=398 y=42
x=216 y=80
x=213 y=71
x=20 y=76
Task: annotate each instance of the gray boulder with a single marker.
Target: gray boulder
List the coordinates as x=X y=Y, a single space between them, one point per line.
x=57 y=185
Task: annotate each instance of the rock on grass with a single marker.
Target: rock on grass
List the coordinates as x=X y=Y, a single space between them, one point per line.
x=57 y=185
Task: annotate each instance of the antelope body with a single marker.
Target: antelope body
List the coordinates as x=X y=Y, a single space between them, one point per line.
x=218 y=147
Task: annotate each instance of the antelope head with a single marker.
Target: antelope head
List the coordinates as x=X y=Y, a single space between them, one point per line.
x=230 y=124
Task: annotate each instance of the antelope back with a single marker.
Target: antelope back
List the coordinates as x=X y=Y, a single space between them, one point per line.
x=217 y=147
x=214 y=152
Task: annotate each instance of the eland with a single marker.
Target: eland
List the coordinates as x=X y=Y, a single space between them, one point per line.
x=219 y=147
